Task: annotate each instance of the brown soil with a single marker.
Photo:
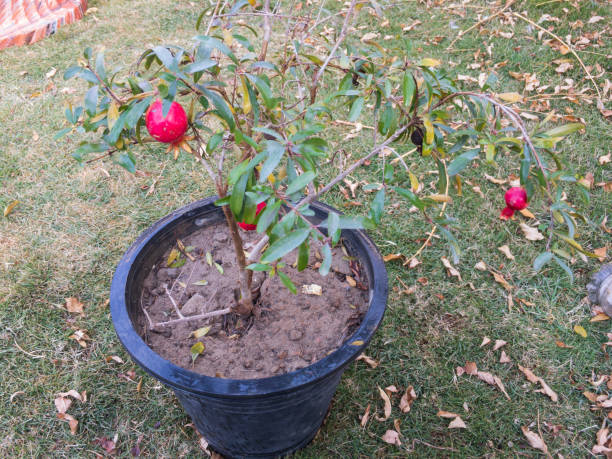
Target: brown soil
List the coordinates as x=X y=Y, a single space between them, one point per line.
x=292 y=331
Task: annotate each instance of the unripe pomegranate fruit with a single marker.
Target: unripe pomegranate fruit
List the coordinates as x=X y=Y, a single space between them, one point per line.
x=249 y=226
x=516 y=199
x=169 y=129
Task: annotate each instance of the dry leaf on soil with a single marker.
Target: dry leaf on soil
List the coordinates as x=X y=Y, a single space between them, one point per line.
x=387 y=402
x=480 y=266
x=447 y=414
x=312 y=289
x=485 y=340
x=579 y=329
x=407 y=399
x=499 y=343
x=531 y=377
x=500 y=280
x=504 y=358
x=392 y=437
x=72 y=422
x=470 y=368
x=531 y=233
x=535 y=440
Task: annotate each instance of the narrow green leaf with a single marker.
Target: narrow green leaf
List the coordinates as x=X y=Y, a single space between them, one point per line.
x=408 y=89
x=333 y=227
x=91 y=100
x=285 y=245
x=327 y=260
x=356 y=109
x=462 y=161
x=541 y=260
x=267 y=216
x=300 y=182
x=564 y=266
x=378 y=204
x=275 y=151
x=303 y=253
x=237 y=199
x=287 y=282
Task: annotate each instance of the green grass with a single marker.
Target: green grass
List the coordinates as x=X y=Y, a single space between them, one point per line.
x=73 y=224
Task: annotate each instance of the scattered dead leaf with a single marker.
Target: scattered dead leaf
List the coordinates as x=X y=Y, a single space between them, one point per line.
x=579 y=329
x=600 y=317
x=450 y=269
x=481 y=266
x=547 y=391
x=392 y=437
x=74 y=306
x=601 y=253
x=312 y=289
x=499 y=343
x=535 y=440
x=369 y=360
x=72 y=422
x=485 y=340
x=506 y=251
x=504 y=358
x=500 y=280
x=10 y=207
x=530 y=233
x=387 y=409
x=457 y=423
x=470 y=368
x=106 y=444
x=563 y=345
x=407 y=399
x=393 y=256
x=447 y=414
x=366 y=416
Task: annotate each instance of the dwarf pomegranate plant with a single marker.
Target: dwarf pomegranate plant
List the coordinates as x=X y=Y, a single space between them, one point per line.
x=265 y=93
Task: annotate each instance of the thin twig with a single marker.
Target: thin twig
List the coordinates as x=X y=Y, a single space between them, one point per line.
x=267 y=31
x=341 y=37
x=178 y=311
x=479 y=23
x=34 y=356
x=207 y=315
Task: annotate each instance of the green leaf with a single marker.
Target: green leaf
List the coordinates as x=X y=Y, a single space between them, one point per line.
x=196 y=350
x=214 y=142
x=61 y=133
x=541 y=260
x=264 y=90
x=200 y=65
x=201 y=282
x=166 y=57
x=136 y=111
x=408 y=89
x=285 y=245
x=378 y=204
x=222 y=109
x=100 y=70
x=300 y=182
x=267 y=216
x=91 y=100
x=287 y=282
x=564 y=267
x=219 y=267
x=126 y=162
x=327 y=260
x=333 y=227
x=356 y=109
x=259 y=267
x=303 y=253
x=564 y=130
x=462 y=161
x=275 y=152
x=237 y=199
x=72 y=71
x=413 y=198
x=89 y=148
x=214 y=43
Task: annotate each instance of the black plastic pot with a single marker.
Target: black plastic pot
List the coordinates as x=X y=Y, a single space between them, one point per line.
x=265 y=417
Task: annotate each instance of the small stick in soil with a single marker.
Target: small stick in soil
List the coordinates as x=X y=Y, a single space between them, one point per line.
x=178 y=312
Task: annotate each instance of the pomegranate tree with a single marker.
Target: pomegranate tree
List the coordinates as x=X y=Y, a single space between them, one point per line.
x=262 y=127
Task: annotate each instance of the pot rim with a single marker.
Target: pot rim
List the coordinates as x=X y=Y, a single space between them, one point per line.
x=187 y=380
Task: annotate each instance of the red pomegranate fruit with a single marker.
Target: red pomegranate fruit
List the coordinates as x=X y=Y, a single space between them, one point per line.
x=249 y=226
x=516 y=199
x=169 y=129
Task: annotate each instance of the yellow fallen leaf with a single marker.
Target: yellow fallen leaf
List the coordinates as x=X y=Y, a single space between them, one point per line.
x=579 y=329
x=447 y=414
x=511 y=97
x=393 y=256
x=601 y=253
x=9 y=208
x=600 y=317
x=357 y=343
x=526 y=213
x=74 y=306
x=500 y=280
x=430 y=62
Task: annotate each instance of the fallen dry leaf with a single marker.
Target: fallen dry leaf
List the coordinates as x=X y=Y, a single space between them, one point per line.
x=387 y=402
x=470 y=368
x=526 y=213
x=499 y=343
x=369 y=36
x=531 y=233
x=457 y=423
x=392 y=437
x=451 y=270
x=9 y=208
x=62 y=404
x=599 y=317
x=81 y=337
x=74 y=306
x=561 y=344
x=72 y=393
x=447 y=414
x=579 y=329
x=369 y=360
x=500 y=280
x=391 y=390
x=535 y=440
x=504 y=358
x=485 y=340
x=393 y=256
x=51 y=73
x=407 y=399
x=506 y=251
x=601 y=253
x=107 y=445
x=481 y=266
x=511 y=97
x=531 y=377
x=72 y=422
x=366 y=416
x=605 y=159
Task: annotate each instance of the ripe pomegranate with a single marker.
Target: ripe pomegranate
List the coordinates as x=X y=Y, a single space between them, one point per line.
x=516 y=199
x=249 y=226
x=169 y=129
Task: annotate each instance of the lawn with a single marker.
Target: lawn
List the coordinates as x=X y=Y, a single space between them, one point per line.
x=72 y=224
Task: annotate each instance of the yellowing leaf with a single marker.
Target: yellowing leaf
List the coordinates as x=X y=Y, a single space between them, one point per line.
x=440 y=198
x=246 y=100
x=429 y=130
x=227 y=37
x=414 y=182
x=9 y=208
x=113 y=114
x=198 y=334
x=430 y=62
x=357 y=343
x=197 y=349
x=579 y=329
x=526 y=213
x=174 y=253
x=392 y=256
x=511 y=97
x=599 y=317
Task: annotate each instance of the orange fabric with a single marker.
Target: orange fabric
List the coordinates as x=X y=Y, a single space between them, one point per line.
x=23 y=22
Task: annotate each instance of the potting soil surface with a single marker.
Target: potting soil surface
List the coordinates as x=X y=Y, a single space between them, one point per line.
x=293 y=330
